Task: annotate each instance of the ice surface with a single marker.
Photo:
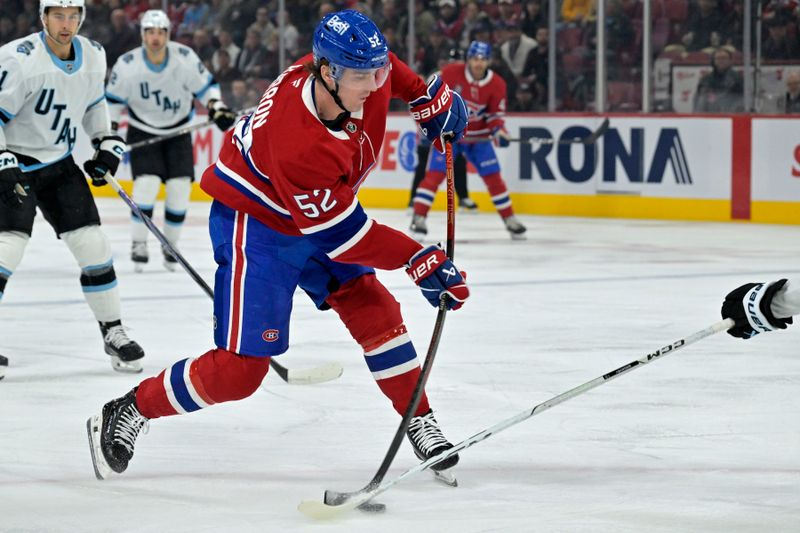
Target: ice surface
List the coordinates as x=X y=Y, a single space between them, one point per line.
x=706 y=440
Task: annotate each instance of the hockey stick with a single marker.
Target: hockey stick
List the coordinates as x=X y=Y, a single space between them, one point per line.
x=183 y=131
x=589 y=139
x=333 y=499
x=302 y=376
x=323 y=511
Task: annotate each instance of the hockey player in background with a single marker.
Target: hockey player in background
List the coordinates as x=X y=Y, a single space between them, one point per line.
x=762 y=307
x=51 y=82
x=158 y=83
x=285 y=214
x=485 y=95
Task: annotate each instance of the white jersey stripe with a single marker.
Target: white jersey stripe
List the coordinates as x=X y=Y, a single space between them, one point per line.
x=332 y=222
x=353 y=240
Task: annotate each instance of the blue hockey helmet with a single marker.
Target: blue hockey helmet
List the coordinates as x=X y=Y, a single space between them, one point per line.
x=479 y=49
x=350 y=40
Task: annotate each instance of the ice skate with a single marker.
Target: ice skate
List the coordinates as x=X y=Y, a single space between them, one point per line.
x=139 y=255
x=112 y=435
x=3 y=366
x=515 y=228
x=418 y=227
x=170 y=261
x=467 y=205
x=427 y=440
x=125 y=354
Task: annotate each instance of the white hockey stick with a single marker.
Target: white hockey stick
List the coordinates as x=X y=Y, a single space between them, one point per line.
x=321 y=511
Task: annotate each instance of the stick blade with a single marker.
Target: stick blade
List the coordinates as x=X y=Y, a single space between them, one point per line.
x=311 y=376
x=599 y=132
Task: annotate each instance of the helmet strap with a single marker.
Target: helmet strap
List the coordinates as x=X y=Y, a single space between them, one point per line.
x=336 y=123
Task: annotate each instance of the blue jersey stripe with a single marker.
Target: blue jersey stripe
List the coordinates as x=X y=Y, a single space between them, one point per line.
x=332 y=238
x=391 y=358
x=179 y=387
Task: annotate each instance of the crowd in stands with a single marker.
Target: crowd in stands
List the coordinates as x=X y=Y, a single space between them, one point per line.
x=239 y=39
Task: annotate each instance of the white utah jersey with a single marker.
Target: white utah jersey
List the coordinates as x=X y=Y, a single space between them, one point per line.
x=44 y=98
x=159 y=98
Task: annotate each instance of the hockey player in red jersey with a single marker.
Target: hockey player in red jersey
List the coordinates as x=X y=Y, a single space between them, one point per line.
x=285 y=214
x=485 y=95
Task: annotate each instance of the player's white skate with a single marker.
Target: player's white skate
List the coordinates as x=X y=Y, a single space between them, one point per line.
x=427 y=440
x=139 y=255
x=467 y=205
x=170 y=261
x=112 y=435
x=3 y=366
x=418 y=228
x=515 y=228
x=126 y=355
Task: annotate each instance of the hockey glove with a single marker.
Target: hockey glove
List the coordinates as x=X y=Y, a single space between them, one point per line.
x=223 y=117
x=440 y=113
x=500 y=137
x=750 y=306
x=12 y=181
x=110 y=150
x=436 y=276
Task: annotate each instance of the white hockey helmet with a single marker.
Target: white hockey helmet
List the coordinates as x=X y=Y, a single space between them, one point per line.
x=155 y=18
x=81 y=4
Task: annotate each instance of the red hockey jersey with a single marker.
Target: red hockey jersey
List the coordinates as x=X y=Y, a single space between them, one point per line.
x=282 y=166
x=485 y=99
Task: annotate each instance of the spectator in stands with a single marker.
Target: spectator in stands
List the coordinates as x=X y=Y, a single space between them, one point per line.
x=525 y=100
x=236 y=16
x=226 y=72
x=793 y=92
x=450 y=21
x=472 y=16
x=291 y=37
x=123 y=37
x=705 y=19
x=193 y=18
x=721 y=90
x=225 y=43
x=517 y=47
x=387 y=17
x=533 y=17
x=500 y=67
x=534 y=74
x=424 y=23
x=577 y=12
x=778 y=44
x=201 y=43
x=433 y=51
x=238 y=96
x=7 y=32
x=264 y=26
x=508 y=10
x=253 y=57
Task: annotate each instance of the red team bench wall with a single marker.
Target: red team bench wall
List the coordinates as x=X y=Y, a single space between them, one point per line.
x=682 y=167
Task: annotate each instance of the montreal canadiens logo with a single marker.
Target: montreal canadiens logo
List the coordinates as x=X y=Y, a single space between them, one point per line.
x=270 y=335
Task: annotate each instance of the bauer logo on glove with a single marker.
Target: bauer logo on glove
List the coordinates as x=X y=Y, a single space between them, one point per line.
x=437 y=276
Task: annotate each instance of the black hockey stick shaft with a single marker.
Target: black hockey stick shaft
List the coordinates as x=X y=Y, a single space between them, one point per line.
x=435 y=336
x=277 y=367
x=182 y=131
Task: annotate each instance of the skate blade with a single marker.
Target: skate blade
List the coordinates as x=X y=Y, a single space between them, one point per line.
x=419 y=237
x=101 y=468
x=170 y=266
x=518 y=237
x=445 y=477
x=126 y=367
x=138 y=267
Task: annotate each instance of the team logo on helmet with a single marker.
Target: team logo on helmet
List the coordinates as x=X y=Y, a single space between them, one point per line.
x=338 y=25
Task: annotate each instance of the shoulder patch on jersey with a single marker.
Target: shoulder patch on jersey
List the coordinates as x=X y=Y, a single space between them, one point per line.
x=25 y=47
x=183 y=50
x=127 y=58
x=96 y=44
